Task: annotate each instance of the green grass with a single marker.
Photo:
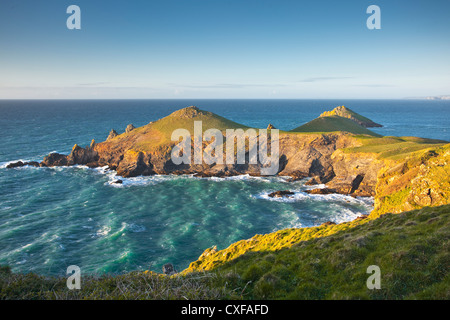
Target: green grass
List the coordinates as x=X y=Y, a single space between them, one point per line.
x=332 y=124
x=394 y=148
x=412 y=250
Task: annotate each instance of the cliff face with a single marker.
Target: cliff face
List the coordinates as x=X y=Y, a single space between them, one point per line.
x=421 y=179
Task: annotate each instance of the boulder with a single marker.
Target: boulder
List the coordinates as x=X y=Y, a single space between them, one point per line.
x=321 y=191
x=22 y=164
x=129 y=128
x=169 y=269
x=112 y=134
x=55 y=159
x=281 y=193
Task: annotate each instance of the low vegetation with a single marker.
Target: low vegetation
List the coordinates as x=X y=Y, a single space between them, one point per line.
x=412 y=250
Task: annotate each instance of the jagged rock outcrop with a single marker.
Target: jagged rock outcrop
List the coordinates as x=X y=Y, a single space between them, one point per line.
x=169 y=269
x=85 y=156
x=129 y=128
x=112 y=134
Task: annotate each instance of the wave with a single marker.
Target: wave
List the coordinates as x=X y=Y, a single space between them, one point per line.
x=303 y=196
x=37 y=158
x=3 y=165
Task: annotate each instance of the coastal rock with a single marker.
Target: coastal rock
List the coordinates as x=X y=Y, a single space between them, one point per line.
x=129 y=128
x=22 y=164
x=54 y=160
x=321 y=191
x=83 y=156
x=281 y=193
x=135 y=164
x=112 y=134
x=168 y=269
x=328 y=223
x=270 y=126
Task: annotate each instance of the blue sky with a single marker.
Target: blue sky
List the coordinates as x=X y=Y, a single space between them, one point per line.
x=224 y=49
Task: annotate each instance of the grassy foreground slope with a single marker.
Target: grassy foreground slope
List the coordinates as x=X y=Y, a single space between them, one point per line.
x=412 y=250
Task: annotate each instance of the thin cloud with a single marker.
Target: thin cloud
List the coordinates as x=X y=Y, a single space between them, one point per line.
x=374 y=85
x=227 y=86
x=93 y=84
x=319 y=79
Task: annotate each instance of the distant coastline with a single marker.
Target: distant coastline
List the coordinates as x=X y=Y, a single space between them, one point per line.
x=443 y=97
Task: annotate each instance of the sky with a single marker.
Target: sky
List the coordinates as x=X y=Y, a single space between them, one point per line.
x=265 y=49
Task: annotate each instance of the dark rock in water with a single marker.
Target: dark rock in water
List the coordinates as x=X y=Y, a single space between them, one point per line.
x=281 y=193
x=15 y=165
x=169 y=269
x=129 y=128
x=33 y=164
x=118 y=181
x=270 y=126
x=22 y=164
x=112 y=134
x=328 y=223
x=55 y=159
x=321 y=191
x=361 y=217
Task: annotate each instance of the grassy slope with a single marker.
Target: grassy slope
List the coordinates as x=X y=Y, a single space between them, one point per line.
x=394 y=148
x=332 y=124
x=411 y=249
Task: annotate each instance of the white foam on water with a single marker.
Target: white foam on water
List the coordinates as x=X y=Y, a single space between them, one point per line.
x=303 y=196
x=136 y=181
x=3 y=165
x=103 y=231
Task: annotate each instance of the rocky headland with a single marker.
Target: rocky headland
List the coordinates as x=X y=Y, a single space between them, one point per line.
x=336 y=149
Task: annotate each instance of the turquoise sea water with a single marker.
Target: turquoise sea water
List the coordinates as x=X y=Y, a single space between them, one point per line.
x=51 y=218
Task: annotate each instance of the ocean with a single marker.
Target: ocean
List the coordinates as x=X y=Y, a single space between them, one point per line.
x=51 y=218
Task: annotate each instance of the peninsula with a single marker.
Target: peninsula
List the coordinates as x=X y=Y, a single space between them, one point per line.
x=409 y=178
